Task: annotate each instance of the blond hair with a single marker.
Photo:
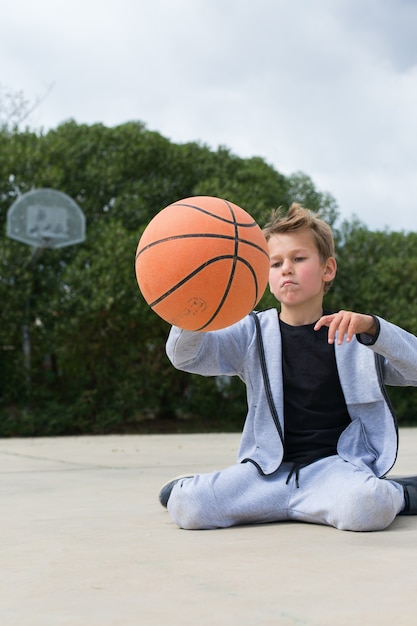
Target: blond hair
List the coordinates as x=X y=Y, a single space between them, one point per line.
x=298 y=218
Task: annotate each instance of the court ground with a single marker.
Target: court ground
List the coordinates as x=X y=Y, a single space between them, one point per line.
x=84 y=542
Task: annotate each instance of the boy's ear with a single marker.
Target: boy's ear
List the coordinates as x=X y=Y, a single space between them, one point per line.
x=330 y=268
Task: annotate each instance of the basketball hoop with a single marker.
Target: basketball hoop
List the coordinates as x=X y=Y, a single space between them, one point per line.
x=46 y=218
x=43 y=218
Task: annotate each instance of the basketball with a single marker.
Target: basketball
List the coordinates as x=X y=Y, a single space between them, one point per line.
x=202 y=263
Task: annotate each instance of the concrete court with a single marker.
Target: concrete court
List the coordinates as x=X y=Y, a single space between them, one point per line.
x=84 y=542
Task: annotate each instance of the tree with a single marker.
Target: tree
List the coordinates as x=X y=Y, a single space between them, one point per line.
x=98 y=352
x=15 y=108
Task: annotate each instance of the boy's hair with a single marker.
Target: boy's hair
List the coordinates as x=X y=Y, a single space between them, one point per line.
x=298 y=218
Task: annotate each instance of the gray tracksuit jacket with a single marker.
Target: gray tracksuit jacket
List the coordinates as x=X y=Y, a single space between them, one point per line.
x=371 y=439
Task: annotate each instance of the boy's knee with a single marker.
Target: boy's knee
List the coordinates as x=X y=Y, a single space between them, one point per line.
x=184 y=517
x=187 y=511
x=370 y=508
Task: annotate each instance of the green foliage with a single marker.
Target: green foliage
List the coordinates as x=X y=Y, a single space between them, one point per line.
x=376 y=273
x=98 y=362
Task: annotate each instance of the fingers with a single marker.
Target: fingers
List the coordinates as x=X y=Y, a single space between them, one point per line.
x=345 y=328
x=324 y=321
x=344 y=323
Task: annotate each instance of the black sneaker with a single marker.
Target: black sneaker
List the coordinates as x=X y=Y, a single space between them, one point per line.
x=167 y=488
x=409 y=484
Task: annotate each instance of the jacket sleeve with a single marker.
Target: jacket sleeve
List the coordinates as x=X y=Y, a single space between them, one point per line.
x=399 y=349
x=214 y=353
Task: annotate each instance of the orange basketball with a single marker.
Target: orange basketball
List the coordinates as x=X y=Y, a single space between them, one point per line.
x=202 y=263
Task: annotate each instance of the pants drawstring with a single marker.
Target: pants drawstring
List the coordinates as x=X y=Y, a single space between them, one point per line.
x=295 y=471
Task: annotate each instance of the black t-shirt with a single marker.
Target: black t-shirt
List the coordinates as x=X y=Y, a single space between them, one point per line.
x=315 y=412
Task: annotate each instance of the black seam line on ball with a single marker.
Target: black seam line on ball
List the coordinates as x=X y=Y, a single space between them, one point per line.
x=199 y=269
x=232 y=271
x=217 y=217
x=202 y=236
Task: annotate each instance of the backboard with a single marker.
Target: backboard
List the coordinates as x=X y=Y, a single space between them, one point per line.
x=46 y=218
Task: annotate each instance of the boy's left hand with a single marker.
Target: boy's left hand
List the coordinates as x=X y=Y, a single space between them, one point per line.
x=347 y=324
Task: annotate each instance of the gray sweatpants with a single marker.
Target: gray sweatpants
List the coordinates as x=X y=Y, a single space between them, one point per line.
x=330 y=491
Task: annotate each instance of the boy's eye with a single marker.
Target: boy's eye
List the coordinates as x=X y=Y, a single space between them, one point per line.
x=297 y=259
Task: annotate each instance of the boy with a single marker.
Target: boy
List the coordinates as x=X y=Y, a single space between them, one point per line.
x=320 y=434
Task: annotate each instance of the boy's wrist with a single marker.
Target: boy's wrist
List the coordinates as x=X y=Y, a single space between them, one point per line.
x=369 y=337
x=373 y=329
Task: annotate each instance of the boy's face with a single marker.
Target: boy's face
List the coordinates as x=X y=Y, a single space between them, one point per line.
x=297 y=275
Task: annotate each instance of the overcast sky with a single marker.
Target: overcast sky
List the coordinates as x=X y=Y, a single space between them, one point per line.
x=326 y=87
